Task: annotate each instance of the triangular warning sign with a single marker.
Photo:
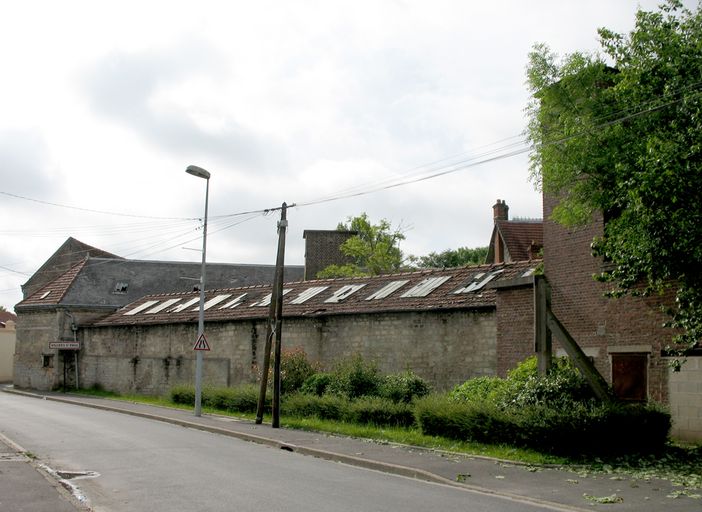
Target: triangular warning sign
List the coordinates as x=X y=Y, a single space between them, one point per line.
x=201 y=343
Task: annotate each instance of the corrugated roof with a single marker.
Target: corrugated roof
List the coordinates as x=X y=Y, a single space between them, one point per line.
x=449 y=294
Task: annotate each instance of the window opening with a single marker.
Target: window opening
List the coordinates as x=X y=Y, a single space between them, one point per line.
x=344 y=292
x=142 y=307
x=425 y=287
x=479 y=281
x=308 y=294
x=266 y=301
x=214 y=301
x=47 y=360
x=234 y=302
x=387 y=290
x=121 y=288
x=184 y=306
x=162 y=306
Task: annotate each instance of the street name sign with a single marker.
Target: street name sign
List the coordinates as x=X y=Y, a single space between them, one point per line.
x=65 y=345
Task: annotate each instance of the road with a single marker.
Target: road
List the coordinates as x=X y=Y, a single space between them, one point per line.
x=145 y=465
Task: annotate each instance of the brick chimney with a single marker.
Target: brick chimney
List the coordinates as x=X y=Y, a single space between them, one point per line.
x=500 y=211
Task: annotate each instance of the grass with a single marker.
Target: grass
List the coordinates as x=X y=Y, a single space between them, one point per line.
x=680 y=464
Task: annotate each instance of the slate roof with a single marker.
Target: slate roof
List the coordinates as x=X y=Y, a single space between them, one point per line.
x=112 y=283
x=70 y=253
x=518 y=236
x=385 y=293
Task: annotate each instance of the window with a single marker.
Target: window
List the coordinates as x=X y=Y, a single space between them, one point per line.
x=308 y=294
x=234 y=302
x=630 y=376
x=184 y=306
x=47 y=360
x=387 y=290
x=426 y=287
x=142 y=307
x=162 y=306
x=120 y=288
x=344 y=292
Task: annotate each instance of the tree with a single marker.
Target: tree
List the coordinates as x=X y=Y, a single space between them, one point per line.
x=622 y=134
x=374 y=250
x=451 y=258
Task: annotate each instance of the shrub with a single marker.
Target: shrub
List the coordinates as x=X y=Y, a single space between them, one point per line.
x=479 y=388
x=295 y=369
x=354 y=377
x=582 y=429
x=403 y=387
x=380 y=412
x=316 y=384
x=184 y=395
x=237 y=399
x=327 y=407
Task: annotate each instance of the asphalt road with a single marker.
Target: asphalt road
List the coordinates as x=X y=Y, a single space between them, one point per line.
x=144 y=465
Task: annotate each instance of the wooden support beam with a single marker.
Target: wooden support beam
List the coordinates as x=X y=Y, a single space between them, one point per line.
x=542 y=335
x=581 y=361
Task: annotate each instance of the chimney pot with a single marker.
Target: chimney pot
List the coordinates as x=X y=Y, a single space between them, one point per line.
x=500 y=211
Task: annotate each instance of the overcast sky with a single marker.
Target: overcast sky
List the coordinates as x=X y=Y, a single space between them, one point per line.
x=104 y=104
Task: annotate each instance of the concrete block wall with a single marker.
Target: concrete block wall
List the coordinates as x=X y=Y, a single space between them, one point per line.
x=7 y=350
x=445 y=348
x=686 y=400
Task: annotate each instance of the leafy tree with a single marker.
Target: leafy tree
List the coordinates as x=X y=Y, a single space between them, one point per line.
x=621 y=133
x=451 y=258
x=374 y=250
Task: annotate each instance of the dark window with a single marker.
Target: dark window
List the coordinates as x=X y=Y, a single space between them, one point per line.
x=47 y=360
x=121 y=288
x=629 y=376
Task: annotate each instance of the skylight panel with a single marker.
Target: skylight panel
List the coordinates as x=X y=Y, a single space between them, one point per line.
x=426 y=287
x=162 y=306
x=308 y=294
x=184 y=306
x=529 y=272
x=214 y=301
x=266 y=301
x=234 y=302
x=478 y=281
x=344 y=292
x=142 y=307
x=45 y=295
x=387 y=290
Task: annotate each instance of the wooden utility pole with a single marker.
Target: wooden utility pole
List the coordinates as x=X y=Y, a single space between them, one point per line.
x=273 y=328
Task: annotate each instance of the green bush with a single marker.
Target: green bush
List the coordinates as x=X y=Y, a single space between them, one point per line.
x=316 y=384
x=295 y=369
x=327 y=407
x=479 y=388
x=184 y=395
x=380 y=412
x=354 y=377
x=237 y=399
x=403 y=387
x=582 y=429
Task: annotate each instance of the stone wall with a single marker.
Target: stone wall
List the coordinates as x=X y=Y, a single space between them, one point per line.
x=445 y=348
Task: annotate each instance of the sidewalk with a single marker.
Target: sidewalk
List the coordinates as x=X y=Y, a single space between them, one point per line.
x=553 y=488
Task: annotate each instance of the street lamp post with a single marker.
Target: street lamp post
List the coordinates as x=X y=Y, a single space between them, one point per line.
x=201 y=173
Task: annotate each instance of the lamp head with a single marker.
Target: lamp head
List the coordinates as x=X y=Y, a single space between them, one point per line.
x=198 y=171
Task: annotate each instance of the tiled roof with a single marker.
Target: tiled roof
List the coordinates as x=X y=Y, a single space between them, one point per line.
x=53 y=292
x=410 y=291
x=518 y=237
x=5 y=316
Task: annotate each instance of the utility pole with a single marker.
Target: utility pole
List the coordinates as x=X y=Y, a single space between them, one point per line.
x=275 y=320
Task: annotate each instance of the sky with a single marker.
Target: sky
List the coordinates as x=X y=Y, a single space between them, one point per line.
x=408 y=110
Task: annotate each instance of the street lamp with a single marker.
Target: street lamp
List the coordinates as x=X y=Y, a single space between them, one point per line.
x=201 y=173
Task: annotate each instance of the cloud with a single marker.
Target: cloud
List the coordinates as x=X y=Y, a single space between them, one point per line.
x=148 y=93
x=24 y=163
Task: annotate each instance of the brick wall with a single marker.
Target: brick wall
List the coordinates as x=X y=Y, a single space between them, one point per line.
x=601 y=325
x=445 y=348
x=515 y=327
x=322 y=250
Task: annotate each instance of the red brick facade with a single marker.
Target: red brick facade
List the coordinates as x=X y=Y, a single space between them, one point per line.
x=601 y=326
x=515 y=327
